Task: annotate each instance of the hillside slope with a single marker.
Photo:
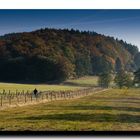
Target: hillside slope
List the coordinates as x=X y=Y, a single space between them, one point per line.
x=56 y=54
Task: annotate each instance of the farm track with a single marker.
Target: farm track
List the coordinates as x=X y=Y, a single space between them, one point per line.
x=82 y=93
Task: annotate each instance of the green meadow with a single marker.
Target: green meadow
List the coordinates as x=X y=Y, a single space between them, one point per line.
x=113 y=109
x=68 y=85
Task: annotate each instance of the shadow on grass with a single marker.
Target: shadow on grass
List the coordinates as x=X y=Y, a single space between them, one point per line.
x=116 y=98
x=121 y=118
x=102 y=108
x=120 y=101
x=93 y=107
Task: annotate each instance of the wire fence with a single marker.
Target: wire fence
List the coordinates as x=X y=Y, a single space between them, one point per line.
x=17 y=98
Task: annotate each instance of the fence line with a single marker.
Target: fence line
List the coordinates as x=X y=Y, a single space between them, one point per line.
x=18 y=98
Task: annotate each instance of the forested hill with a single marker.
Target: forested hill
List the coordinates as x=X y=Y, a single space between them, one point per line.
x=56 y=54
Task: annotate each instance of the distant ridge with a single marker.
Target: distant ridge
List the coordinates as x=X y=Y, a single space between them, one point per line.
x=59 y=54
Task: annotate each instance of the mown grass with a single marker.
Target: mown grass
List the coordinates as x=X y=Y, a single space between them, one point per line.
x=114 y=109
x=41 y=87
x=83 y=82
x=74 y=84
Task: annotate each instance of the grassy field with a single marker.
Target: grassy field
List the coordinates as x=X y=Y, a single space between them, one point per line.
x=41 y=87
x=68 y=85
x=114 y=109
x=86 y=81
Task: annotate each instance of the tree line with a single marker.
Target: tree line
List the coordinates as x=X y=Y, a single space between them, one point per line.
x=122 y=79
x=60 y=54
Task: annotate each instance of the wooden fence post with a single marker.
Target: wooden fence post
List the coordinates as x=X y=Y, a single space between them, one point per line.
x=4 y=95
x=3 y=91
x=1 y=101
x=86 y=93
x=61 y=94
x=25 y=98
x=17 y=98
x=36 y=97
x=28 y=96
x=46 y=96
x=42 y=96
x=72 y=94
x=55 y=94
x=23 y=91
x=69 y=94
x=64 y=95
x=51 y=96
x=31 y=97
x=9 y=99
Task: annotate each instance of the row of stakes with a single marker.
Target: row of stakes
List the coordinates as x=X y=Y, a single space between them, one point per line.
x=46 y=95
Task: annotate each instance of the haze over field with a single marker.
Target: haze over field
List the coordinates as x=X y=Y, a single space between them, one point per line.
x=122 y=24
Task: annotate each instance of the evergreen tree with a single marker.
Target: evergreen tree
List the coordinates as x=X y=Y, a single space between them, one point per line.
x=100 y=65
x=123 y=79
x=118 y=65
x=137 y=60
x=104 y=80
x=137 y=77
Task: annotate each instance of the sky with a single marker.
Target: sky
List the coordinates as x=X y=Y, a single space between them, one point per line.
x=121 y=24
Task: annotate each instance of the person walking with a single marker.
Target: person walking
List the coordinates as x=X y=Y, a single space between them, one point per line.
x=35 y=92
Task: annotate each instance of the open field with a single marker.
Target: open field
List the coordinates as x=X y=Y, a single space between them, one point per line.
x=30 y=87
x=86 y=81
x=68 y=85
x=115 y=109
